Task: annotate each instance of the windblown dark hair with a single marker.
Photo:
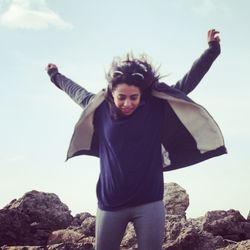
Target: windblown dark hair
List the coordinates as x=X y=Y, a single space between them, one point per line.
x=133 y=71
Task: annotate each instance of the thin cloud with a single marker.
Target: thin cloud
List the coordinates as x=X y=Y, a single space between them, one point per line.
x=31 y=14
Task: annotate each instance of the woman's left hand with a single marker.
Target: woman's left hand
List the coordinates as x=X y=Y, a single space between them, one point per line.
x=212 y=35
x=51 y=66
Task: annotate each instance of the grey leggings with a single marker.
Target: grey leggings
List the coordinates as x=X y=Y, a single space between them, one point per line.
x=148 y=220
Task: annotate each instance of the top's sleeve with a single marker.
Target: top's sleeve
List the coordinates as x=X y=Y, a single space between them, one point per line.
x=76 y=92
x=199 y=68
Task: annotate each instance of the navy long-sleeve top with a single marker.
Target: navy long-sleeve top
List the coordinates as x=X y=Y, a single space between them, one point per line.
x=130 y=156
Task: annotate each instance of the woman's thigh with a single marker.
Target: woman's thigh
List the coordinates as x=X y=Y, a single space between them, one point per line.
x=149 y=223
x=110 y=229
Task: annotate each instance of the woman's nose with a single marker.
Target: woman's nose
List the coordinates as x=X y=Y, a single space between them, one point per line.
x=127 y=103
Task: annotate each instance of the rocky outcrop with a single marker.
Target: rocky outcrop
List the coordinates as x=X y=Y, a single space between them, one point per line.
x=31 y=219
x=229 y=224
x=176 y=199
x=41 y=221
x=243 y=245
x=81 y=232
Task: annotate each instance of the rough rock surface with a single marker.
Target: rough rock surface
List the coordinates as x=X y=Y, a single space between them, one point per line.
x=31 y=219
x=229 y=224
x=176 y=199
x=243 y=245
x=40 y=221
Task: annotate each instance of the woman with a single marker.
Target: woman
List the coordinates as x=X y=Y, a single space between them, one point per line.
x=139 y=128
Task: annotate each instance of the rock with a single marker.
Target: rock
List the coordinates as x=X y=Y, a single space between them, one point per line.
x=14 y=227
x=67 y=246
x=70 y=246
x=79 y=218
x=207 y=240
x=182 y=234
x=88 y=226
x=243 y=245
x=129 y=239
x=69 y=236
x=43 y=208
x=30 y=219
x=179 y=233
x=176 y=199
x=82 y=232
x=46 y=223
x=22 y=248
x=64 y=236
x=229 y=224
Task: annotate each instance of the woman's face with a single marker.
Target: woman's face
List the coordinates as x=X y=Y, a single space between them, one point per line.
x=126 y=98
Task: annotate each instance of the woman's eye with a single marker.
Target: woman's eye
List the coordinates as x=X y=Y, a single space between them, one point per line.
x=134 y=98
x=121 y=98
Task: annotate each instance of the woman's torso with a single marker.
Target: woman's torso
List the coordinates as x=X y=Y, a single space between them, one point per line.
x=130 y=156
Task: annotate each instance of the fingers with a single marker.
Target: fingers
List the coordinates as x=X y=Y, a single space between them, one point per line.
x=213 y=35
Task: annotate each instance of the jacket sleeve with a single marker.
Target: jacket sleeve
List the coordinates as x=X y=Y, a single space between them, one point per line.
x=199 y=68
x=77 y=93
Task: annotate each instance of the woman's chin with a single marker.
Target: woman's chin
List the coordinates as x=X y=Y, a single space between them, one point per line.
x=127 y=113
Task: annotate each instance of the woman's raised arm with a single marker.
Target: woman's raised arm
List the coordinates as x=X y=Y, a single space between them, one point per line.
x=76 y=92
x=201 y=66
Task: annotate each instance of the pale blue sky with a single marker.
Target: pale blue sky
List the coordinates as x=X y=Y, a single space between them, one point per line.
x=81 y=37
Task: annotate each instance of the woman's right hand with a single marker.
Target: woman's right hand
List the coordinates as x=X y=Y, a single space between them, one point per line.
x=213 y=35
x=50 y=66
